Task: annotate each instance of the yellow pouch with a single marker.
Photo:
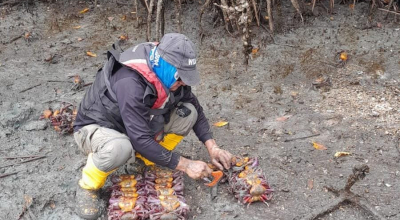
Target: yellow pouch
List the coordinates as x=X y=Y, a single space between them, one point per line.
x=170 y=142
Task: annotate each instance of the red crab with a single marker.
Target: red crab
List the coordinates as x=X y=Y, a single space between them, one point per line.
x=248 y=183
x=158 y=194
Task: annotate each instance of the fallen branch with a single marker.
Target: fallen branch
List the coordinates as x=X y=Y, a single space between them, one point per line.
x=25 y=161
x=299 y=138
x=388 y=11
x=29 y=88
x=346 y=196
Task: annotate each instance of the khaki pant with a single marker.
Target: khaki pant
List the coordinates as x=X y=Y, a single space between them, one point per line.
x=112 y=149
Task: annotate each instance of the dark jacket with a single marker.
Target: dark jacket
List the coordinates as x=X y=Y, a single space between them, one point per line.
x=137 y=98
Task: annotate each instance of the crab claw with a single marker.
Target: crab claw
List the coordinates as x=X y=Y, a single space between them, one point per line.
x=217 y=176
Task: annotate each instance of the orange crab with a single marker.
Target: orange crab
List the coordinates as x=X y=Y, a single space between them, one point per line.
x=248 y=183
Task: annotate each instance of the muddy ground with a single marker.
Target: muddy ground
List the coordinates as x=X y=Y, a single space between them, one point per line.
x=358 y=113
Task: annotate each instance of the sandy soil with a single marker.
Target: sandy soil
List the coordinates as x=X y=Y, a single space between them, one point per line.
x=359 y=113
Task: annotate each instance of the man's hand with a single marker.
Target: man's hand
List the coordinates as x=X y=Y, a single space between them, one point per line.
x=195 y=169
x=220 y=158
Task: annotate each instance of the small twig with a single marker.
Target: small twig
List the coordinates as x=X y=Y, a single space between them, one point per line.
x=270 y=19
x=313 y=5
x=388 y=11
x=26 y=161
x=87 y=84
x=159 y=19
x=10 y=3
x=332 y=5
x=296 y=5
x=201 y=15
x=17 y=157
x=256 y=12
x=15 y=38
x=58 y=81
x=8 y=174
x=299 y=138
x=178 y=10
x=29 y=88
x=389 y=6
x=136 y=12
x=147 y=5
x=149 y=19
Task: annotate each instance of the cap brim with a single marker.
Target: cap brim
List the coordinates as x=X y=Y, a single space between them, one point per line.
x=189 y=77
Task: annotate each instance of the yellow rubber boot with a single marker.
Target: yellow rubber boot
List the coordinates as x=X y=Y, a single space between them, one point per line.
x=92 y=177
x=170 y=142
x=88 y=204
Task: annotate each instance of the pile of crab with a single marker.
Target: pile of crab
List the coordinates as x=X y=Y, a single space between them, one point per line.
x=155 y=194
x=61 y=119
x=247 y=181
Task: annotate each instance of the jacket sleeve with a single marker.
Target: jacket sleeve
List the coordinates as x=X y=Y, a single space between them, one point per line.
x=136 y=118
x=201 y=128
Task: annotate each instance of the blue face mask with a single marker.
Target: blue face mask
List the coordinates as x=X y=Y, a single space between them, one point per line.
x=164 y=71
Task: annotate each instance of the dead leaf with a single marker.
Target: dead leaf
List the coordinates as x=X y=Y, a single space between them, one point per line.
x=341 y=153
x=80 y=39
x=331 y=18
x=310 y=184
x=266 y=18
x=351 y=6
x=84 y=11
x=90 y=54
x=294 y=94
x=123 y=37
x=123 y=18
x=27 y=35
x=319 y=146
x=77 y=27
x=221 y=123
x=283 y=118
x=254 y=50
x=343 y=56
x=28 y=200
x=77 y=79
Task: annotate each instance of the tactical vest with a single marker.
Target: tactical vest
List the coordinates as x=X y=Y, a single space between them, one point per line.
x=105 y=111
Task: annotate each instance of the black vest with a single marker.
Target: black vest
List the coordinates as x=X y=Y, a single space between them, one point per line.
x=104 y=109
